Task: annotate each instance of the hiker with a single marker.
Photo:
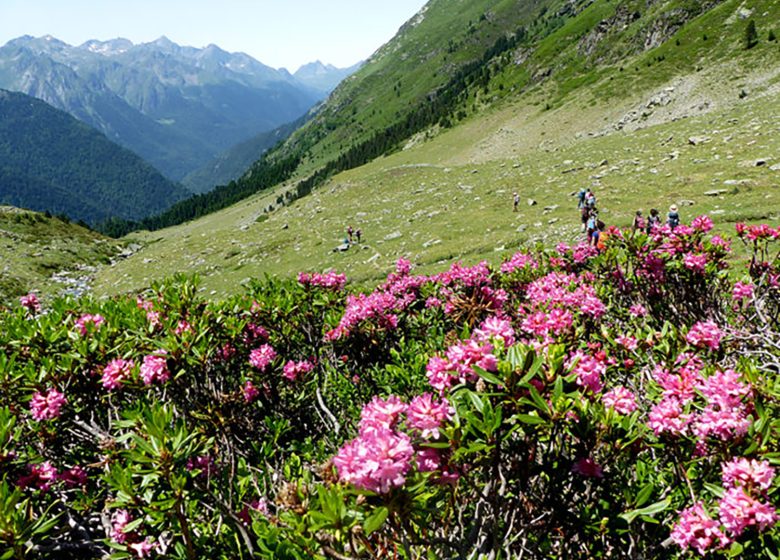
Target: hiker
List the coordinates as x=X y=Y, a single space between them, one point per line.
x=591 y=226
x=639 y=222
x=581 y=198
x=590 y=199
x=653 y=220
x=359 y=234
x=585 y=214
x=515 y=201
x=673 y=217
x=601 y=237
x=349 y=234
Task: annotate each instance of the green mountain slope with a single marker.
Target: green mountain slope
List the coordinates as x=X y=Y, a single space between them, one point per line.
x=651 y=103
x=50 y=161
x=35 y=247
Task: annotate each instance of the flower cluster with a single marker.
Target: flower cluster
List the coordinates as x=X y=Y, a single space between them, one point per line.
x=30 y=303
x=262 y=357
x=704 y=334
x=382 y=455
x=89 y=319
x=155 y=368
x=329 y=280
x=115 y=372
x=295 y=370
x=458 y=364
x=47 y=406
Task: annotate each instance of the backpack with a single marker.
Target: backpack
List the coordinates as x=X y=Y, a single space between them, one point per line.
x=673 y=220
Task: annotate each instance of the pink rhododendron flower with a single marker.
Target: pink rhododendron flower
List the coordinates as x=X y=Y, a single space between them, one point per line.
x=381 y=414
x=141 y=303
x=88 y=319
x=378 y=460
x=295 y=370
x=119 y=520
x=696 y=262
x=40 y=476
x=519 y=261
x=426 y=415
x=154 y=318
x=742 y=290
x=750 y=473
x=627 y=342
x=738 y=511
x=428 y=460
x=182 y=327
x=495 y=327
x=704 y=334
x=262 y=357
x=250 y=392
x=702 y=223
x=637 y=310
x=47 y=406
x=155 y=368
x=73 y=477
x=142 y=549
x=329 y=280
x=620 y=399
x=588 y=370
x=668 y=417
x=30 y=303
x=695 y=529
x=115 y=372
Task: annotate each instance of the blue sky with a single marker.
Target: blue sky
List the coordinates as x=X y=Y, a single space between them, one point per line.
x=280 y=33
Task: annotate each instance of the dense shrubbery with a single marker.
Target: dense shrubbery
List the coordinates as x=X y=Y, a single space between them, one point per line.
x=568 y=404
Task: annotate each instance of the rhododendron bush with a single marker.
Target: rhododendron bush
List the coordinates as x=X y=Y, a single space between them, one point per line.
x=566 y=403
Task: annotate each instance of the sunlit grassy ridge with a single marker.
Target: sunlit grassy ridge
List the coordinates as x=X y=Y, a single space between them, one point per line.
x=34 y=246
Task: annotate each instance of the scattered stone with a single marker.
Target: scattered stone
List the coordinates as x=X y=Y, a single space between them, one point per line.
x=394 y=235
x=551 y=208
x=521 y=228
x=375 y=258
x=515 y=166
x=717 y=212
x=553 y=220
x=244 y=227
x=715 y=192
x=531 y=202
x=499 y=248
x=431 y=243
x=687 y=203
x=775 y=167
x=286 y=226
x=697 y=140
x=760 y=162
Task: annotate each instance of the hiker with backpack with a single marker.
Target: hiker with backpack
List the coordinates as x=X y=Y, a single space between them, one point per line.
x=581 y=198
x=653 y=220
x=673 y=217
x=639 y=222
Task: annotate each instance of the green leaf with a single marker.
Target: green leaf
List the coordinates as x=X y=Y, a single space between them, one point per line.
x=375 y=520
x=657 y=507
x=644 y=494
x=530 y=419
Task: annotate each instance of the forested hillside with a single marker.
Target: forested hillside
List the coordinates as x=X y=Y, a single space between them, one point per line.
x=51 y=161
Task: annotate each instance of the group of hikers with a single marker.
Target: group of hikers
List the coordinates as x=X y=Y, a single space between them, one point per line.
x=594 y=228
x=353 y=236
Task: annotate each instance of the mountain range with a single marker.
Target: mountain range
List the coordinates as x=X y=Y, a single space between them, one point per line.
x=50 y=161
x=177 y=107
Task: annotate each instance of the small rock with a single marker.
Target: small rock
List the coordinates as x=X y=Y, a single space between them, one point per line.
x=286 y=226
x=715 y=192
x=775 y=167
x=374 y=258
x=553 y=220
x=687 y=203
x=717 y=212
x=394 y=235
x=551 y=208
x=521 y=228
x=531 y=202
x=696 y=140
x=760 y=162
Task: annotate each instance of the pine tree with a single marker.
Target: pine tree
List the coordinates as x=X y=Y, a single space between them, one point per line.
x=751 y=35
